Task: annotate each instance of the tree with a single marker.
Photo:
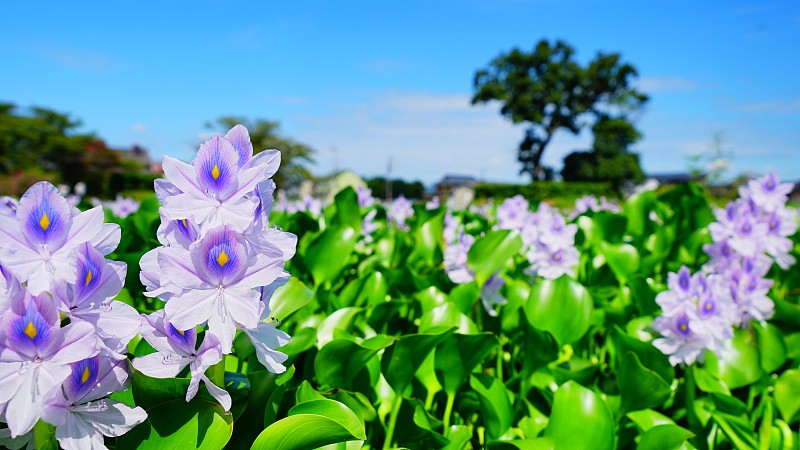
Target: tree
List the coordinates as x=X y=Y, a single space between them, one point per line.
x=609 y=160
x=550 y=91
x=264 y=135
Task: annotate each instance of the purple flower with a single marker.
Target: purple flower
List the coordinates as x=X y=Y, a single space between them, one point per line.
x=551 y=263
x=455 y=259
x=513 y=213
x=35 y=357
x=215 y=188
x=365 y=198
x=176 y=350
x=8 y=206
x=432 y=203
x=399 y=212
x=490 y=294
x=767 y=192
x=680 y=338
x=368 y=225
x=39 y=240
x=81 y=414
x=218 y=276
x=122 y=207
x=266 y=338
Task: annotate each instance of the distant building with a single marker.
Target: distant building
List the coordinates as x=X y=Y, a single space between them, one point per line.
x=328 y=186
x=452 y=182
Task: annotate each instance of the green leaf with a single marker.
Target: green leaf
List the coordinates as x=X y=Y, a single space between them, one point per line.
x=490 y=252
x=341 y=359
x=44 y=436
x=740 y=366
x=649 y=356
x=543 y=443
x=644 y=297
x=330 y=252
x=622 y=258
x=289 y=298
x=400 y=361
x=562 y=306
x=447 y=315
x=347 y=211
x=787 y=394
x=639 y=386
x=198 y=424
x=458 y=355
x=341 y=319
x=429 y=239
x=737 y=429
x=647 y=418
x=149 y=392
x=664 y=437
x=311 y=425
x=771 y=348
x=497 y=411
x=580 y=419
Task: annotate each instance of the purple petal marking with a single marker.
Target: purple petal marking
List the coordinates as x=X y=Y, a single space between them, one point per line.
x=44 y=215
x=91 y=265
x=30 y=333
x=216 y=167
x=82 y=379
x=221 y=254
x=240 y=139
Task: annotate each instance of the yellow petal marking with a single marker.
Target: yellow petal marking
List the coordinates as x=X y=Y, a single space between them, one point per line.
x=88 y=277
x=180 y=331
x=183 y=221
x=215 y=172
x=44 y=222
x=85 y=375
x=222 y=259
x=30 y=330
x=683 y=327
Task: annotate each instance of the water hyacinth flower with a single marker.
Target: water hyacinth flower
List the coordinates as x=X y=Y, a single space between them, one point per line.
x=35 y=357
x=365 y=198
x=122 y=207
x=767 y=192
x=218 y=276
x=432 y=203
x=8 y=206
x=81 y=413
x=455 y=265
x=368 y=225
x=513 y=213
x=399 y=212
x=591 y=203
x=698 y=314
x=175 y=351
x=266 y=338
x=38 y=241
x=214 y=188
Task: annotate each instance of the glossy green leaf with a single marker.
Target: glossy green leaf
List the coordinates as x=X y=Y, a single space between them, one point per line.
x=622 y=258
x=198 y=424
x=664 y=437
x=458 y=355
x=497 y=412
x=580 y=419
x=648 y=356
x=341 y=359
x=562 y=306
x=787 y=394
x=310 y=425
x=447 y=315
x=737 y=429
x=490 y=252
x=740 y=366
x=347 y=210
x=289 y=298
x=341 y=319
x=400 y=361
x=543 y=443
x=640 y=387
x=647 y=418
x=771 y=347
x=330 y=252
x=429 y=238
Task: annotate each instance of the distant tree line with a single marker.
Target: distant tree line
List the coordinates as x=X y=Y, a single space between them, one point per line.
x=413 y=189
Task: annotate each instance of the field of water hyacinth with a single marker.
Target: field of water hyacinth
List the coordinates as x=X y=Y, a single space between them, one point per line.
x=216 y=314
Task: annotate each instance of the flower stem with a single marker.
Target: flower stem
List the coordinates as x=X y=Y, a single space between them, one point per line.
x=398 y=401
x=448 y=411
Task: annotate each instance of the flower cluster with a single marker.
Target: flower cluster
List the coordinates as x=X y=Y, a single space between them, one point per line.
x=548 y=241
x=591 y=203
x=697 y=314
x=309 y=204
x=700 y=311
x=122 y=207
x=399 y=211
x=219 y=261
x=749 y=235
x=63 y=338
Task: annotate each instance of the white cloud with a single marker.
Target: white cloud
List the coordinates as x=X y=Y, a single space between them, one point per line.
x=386 y=64
x=786 y=106
x=73 y=58
x=138 y=127
x=665 y=84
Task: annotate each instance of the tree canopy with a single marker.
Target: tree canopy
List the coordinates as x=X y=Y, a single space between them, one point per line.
x=295 y=156
x=609 y=159
x=549 y=91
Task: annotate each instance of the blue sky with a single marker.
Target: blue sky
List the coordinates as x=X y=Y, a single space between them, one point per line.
x=363 y=81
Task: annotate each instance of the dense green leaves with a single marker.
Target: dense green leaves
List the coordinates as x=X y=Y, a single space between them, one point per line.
x=580 y=419
x=310 y=425
x=198 y=424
